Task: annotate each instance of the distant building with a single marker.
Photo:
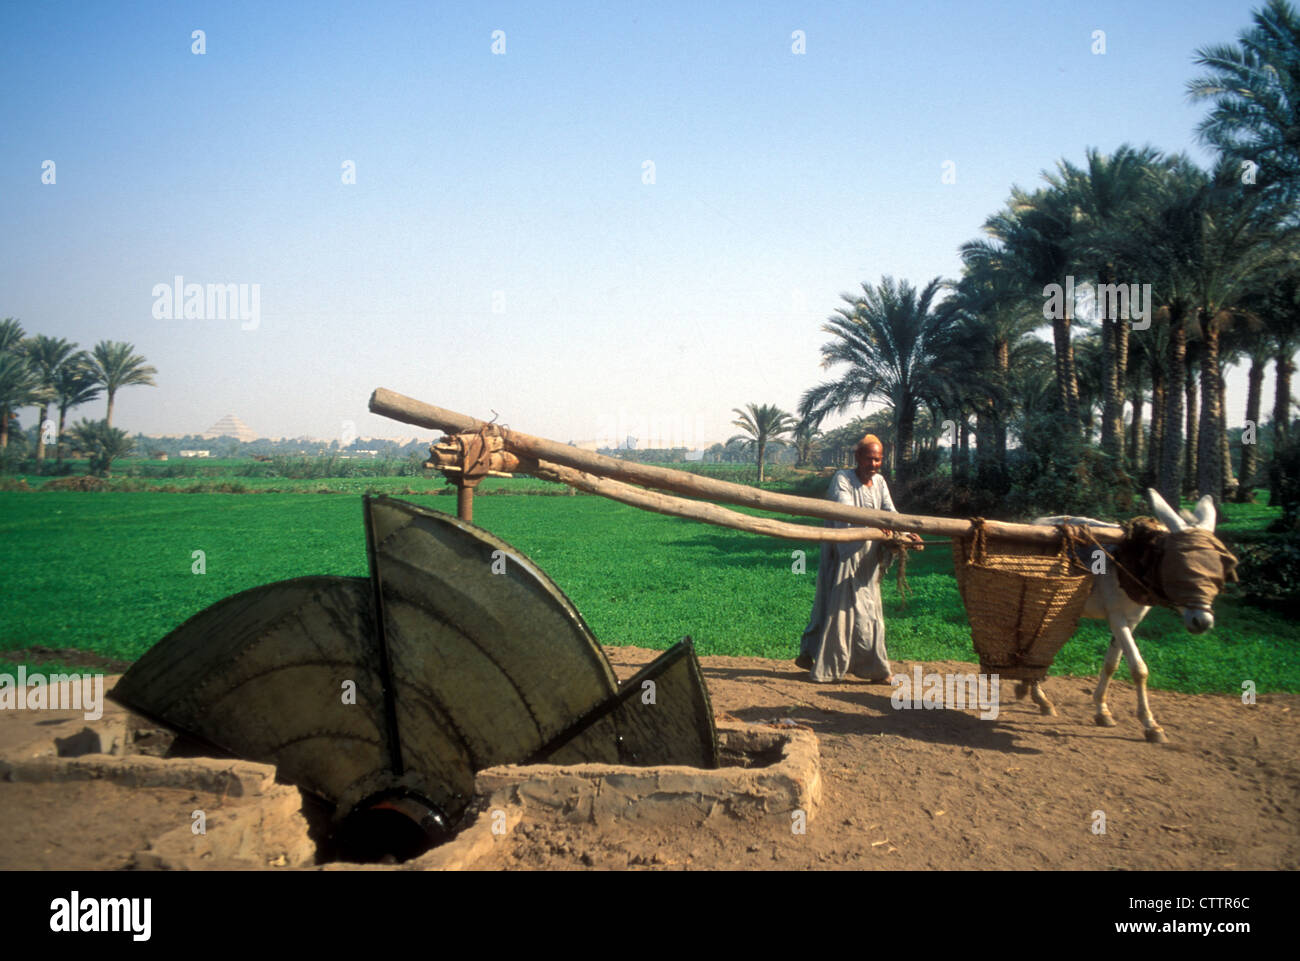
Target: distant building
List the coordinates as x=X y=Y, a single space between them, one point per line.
x=196 y=453
x=230 y=426
x=158 y=454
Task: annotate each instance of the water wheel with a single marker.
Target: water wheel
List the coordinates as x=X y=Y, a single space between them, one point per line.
x=382 y=696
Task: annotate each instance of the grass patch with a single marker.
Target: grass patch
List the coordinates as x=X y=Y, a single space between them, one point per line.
x=111 y=573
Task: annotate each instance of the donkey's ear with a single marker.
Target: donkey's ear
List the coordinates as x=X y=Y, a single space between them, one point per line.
x=1206 y=514
x=1164 y=512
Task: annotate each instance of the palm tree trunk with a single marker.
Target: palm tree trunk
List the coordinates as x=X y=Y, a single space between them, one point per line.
x=1135 y=432
x=985 y=460
x=1112 y=404
x=1121 y=359
x=63 y=417
x=109 y=416
x=1067 y=381
x=1189 y=456
x=1254 y=397
x=40 y=433
x=963 y=451
x=1230 y=482
x=1002 y=362
x=762 y=445
x=1209 y=459
x=1228 y=478
x=1072 y=377
x=1284 y=368
x=1157 y=445
x=4 y=427
x=903 y=442
x=1170 y=478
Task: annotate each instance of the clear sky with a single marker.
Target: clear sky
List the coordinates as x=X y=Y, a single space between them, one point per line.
x=501 y=248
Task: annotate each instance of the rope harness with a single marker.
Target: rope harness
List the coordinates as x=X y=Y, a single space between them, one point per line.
x=476 y=450
x=1162 y=568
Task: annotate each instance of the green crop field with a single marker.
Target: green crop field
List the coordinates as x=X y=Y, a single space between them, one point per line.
x=225 y=483
x=112 y=573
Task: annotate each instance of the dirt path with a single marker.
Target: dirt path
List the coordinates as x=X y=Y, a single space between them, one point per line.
x=902 y=789
x=945 y=790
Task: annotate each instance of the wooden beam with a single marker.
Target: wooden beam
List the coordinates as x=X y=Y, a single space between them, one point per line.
x=696 y=510
x=408 y=410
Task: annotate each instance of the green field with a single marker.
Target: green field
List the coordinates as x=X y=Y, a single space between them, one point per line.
x=111 y=573
x=237 y=484
x=304 y=476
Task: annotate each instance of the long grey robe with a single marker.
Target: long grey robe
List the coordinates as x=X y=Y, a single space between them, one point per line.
x=846 y=631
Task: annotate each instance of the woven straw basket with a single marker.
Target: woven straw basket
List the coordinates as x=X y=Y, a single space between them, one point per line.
x=1022 y=607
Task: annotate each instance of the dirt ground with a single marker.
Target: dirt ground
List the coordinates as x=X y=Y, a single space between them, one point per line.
x=910 y=789
x=942 y=789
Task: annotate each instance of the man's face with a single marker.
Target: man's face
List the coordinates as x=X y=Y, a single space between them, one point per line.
x=870 y=458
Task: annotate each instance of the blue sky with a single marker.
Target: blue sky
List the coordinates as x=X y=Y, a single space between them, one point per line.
x=500 y=249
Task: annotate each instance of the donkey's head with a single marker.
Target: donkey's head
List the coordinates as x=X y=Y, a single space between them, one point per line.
x=1193 y=563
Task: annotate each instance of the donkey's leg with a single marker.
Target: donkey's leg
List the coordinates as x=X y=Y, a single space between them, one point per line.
x=1138 y=668
x=1103 y=716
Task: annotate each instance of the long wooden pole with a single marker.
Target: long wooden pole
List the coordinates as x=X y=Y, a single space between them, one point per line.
x=408 y=410
x=696 y=510
x=445 y=457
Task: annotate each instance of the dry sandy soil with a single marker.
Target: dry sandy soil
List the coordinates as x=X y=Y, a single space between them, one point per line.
x=945 y=790
x=901 y=789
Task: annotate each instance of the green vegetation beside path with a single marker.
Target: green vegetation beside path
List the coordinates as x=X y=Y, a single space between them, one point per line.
x=112 y=573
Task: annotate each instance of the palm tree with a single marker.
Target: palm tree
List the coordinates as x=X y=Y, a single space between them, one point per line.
x=46 y=355
x=887 y=337
x=1242 y=237
x=75 y=383
x=1250 y=452
x=1255 y=87
x=16 y=381
x=1192 y=380
x=763 y=424
x=1090 y=364
x=988 y=321
x=1032 y=238
x=1142 y=351
x=1164 y=240
x=737 y=450
x=117 y=367
x=104 y=444
x=1278 y=306
x=11 y=336
x=806 y=442
x=19 y=387
x=1104 y=197
x=1210 y=240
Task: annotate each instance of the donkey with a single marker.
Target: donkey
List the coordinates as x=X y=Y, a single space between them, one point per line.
x=1183 y=569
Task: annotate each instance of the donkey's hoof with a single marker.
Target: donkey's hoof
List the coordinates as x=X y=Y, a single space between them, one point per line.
x=1157 y=736
x=1104 y=720
x=1047 y=710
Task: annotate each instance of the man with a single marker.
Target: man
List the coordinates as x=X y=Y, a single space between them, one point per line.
x=846 y=631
